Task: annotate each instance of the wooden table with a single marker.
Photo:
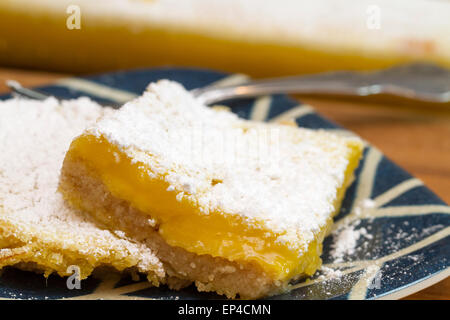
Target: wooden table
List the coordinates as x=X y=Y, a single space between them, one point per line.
x=415 y=137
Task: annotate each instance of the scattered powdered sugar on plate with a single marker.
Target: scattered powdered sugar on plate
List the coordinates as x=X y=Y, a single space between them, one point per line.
x=347 y=236
x=329 y=273
x=351 y=238
x=346 y=240
x=363 y=205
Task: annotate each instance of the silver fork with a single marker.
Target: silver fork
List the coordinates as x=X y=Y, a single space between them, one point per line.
x=423 y=82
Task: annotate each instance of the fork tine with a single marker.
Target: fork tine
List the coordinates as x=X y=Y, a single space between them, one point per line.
x=17 y=88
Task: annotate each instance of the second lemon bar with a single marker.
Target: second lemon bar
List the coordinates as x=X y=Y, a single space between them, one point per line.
x=236 y=206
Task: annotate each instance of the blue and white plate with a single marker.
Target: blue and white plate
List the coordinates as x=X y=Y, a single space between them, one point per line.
x=408 y=242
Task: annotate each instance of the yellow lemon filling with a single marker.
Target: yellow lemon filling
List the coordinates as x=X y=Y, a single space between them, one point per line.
x=182 y=223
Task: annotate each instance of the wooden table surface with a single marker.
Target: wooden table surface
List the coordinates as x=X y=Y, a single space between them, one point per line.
x=415 y=137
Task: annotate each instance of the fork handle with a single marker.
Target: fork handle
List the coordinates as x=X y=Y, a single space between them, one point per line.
x=422 y=82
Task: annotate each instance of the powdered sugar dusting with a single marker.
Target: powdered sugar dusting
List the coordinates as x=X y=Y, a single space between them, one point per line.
x=290 y=188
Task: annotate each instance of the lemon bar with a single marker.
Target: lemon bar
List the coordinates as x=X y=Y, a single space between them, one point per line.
x=38 y=230
x=239 y=207
x=260 y=38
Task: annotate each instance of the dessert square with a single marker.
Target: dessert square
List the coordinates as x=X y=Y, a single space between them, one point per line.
x=38 y=230
x=238 y=207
